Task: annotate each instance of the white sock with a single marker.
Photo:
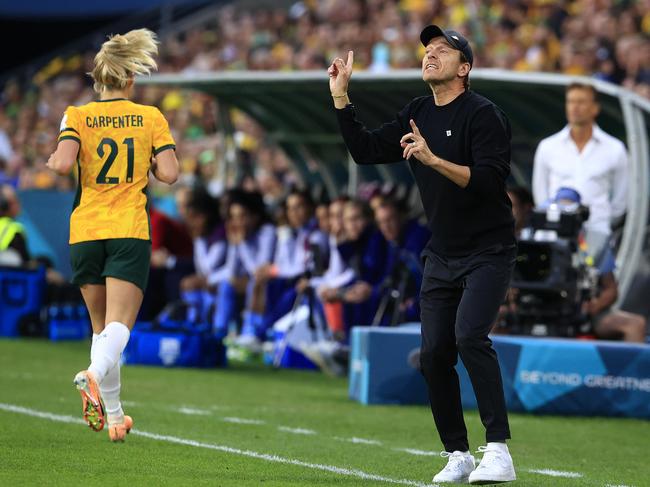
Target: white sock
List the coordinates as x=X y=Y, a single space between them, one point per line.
x=110 y=390
x=107 y=349
x=92 y=347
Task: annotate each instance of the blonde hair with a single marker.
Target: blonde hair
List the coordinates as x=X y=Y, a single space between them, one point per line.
x=122 y=57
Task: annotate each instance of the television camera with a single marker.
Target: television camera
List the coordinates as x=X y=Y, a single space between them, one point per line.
x=553 y=274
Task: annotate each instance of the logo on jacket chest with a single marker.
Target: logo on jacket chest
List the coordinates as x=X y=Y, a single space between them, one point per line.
x=448 y=133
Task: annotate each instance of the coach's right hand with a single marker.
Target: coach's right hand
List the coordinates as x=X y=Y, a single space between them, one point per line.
x=340 y=73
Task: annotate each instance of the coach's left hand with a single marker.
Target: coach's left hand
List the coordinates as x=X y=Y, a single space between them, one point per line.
x=414 y=145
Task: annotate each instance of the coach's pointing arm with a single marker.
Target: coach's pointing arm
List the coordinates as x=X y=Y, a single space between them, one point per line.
x=401 y=139
x=378 y=146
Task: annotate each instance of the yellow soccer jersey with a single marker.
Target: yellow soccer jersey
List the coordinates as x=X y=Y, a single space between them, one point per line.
x=117 y=140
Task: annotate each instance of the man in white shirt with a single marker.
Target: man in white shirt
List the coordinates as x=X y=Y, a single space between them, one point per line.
x=584 y=157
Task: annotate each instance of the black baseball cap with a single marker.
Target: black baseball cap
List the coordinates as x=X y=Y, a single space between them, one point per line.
x=455 y=40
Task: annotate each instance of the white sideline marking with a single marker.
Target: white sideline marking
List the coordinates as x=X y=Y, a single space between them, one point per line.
x=226 y=449
x=617 y=485
x=556 y=473
x=40 y=414
x=296 y=431
x=233 y=419
x=422 y=453
x=194 y=411
x=356 y=440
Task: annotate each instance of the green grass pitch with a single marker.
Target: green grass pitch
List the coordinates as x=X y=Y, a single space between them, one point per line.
x=251 y=426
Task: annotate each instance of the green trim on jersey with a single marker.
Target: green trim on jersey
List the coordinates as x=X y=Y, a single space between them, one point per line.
x=71 y=137
x=164 y=147
x=77 y=196
x=112 y=99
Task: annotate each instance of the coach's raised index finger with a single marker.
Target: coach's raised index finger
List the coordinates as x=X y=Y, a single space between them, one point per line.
x=415 y=128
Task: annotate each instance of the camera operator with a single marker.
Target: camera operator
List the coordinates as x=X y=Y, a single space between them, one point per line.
x=595 y=311
x=607 y=323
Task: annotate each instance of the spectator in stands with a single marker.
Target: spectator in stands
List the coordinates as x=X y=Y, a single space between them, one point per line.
x=251 y=244
x=361 y=269
x=301 y=252
x=171 y=261
x=335 y=214
x=322 y=216
x=608 y=323
x=607 y=41
x=522 y=206
x=376 y=200
x=13 y=242
x=351 y=296
x=336 y=268
x=584 y=157
x=406 y=241
x=182 y=197
x=209 y=241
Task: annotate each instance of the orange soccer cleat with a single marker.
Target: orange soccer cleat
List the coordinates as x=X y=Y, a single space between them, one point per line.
x=91 y=401
x=118 y=431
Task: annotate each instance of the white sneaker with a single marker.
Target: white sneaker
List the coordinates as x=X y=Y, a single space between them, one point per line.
x=495 y=466
x=458 y=469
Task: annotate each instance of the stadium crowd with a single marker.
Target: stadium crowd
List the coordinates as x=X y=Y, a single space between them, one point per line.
x=606 y=39
x=248 y=247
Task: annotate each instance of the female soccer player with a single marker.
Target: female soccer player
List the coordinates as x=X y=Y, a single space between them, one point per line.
x=115 y=143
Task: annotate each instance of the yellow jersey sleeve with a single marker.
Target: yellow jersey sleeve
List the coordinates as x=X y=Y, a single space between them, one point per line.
x=162 y=137
x=70 y=125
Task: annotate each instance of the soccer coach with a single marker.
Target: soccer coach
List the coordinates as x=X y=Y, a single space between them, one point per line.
x=457 y=144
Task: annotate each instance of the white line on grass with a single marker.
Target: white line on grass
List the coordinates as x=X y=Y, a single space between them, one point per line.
x=233 y=419
x=556 y=473
x=361 y=441
x=226 y=449
x=194 y=411
x=40 y=414
x=296 y=431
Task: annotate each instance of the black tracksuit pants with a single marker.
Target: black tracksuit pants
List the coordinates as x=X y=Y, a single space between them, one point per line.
x=460 y=299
